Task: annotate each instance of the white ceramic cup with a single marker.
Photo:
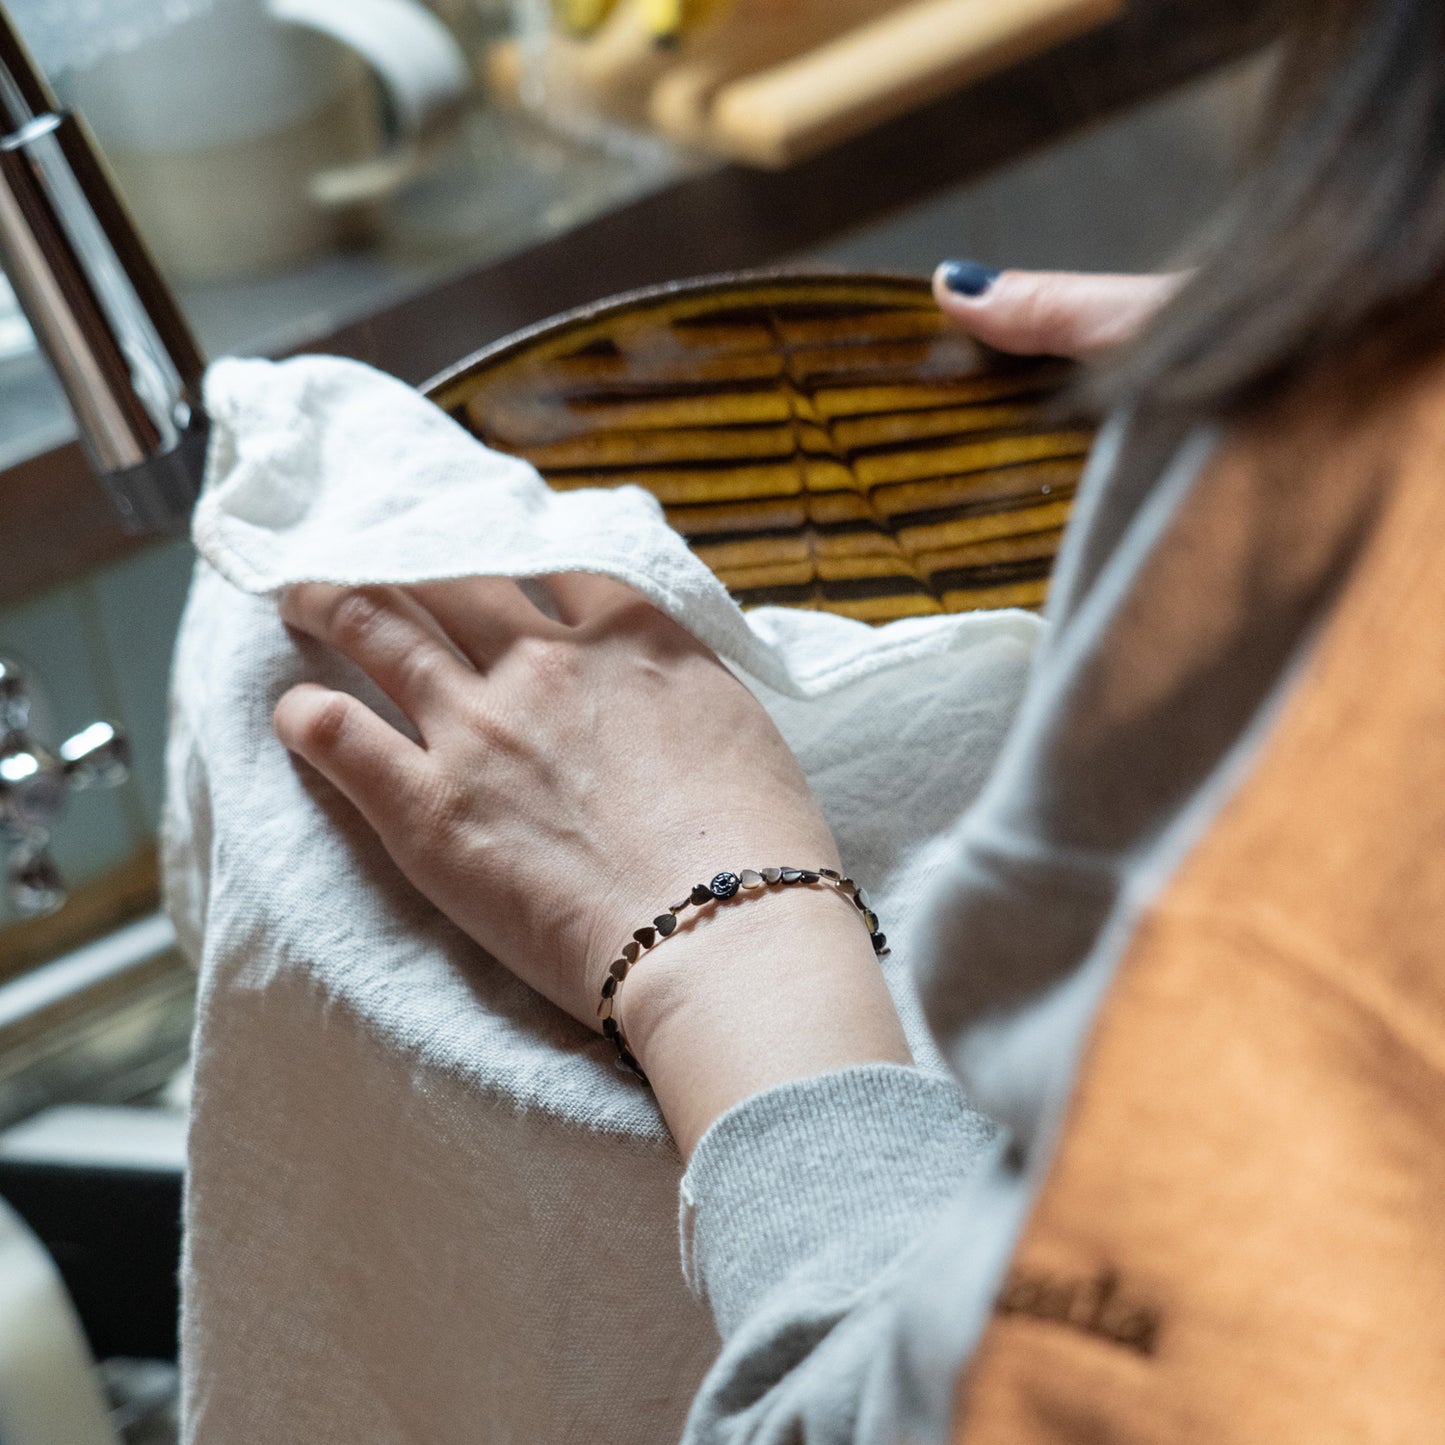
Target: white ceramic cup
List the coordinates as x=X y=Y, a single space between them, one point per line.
x=251 y=136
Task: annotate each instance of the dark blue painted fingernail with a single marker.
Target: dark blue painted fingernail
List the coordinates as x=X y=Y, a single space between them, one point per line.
x=968 y=278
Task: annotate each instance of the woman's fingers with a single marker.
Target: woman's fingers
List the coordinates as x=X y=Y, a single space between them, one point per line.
x=1050 y=313
x=483 y=616
x=389 y=636
x=365 y=758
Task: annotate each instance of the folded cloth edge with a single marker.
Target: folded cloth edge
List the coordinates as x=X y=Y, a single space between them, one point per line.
x=281 y=428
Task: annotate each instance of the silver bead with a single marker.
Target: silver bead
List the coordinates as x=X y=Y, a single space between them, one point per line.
x=35 y=886
x=96 y=757
x=14 y=698
x=32 y=787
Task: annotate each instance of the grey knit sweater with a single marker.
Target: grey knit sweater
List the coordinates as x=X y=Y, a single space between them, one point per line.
x=850 y=1232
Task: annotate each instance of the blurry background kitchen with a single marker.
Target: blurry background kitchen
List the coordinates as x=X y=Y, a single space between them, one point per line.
x=404 y=181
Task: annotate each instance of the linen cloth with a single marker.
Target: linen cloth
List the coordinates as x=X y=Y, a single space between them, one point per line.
x=423 y=1205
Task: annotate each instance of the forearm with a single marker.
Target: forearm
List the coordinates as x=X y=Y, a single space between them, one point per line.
x=816 y=1216
x=776 y=986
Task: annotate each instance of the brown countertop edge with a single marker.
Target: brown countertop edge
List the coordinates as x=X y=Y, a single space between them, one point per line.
x=56 y=524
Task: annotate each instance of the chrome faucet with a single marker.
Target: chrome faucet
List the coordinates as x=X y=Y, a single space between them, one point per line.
x=100 y=309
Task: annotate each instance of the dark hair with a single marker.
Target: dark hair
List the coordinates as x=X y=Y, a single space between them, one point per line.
x=1333 y=251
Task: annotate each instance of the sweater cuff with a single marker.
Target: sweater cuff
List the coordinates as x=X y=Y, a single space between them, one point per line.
x=817 y=1185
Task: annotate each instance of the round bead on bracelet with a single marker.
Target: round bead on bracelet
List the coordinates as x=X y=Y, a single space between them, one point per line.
x=724 y=886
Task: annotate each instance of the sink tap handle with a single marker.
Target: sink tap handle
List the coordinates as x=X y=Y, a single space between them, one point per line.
x=35 y=785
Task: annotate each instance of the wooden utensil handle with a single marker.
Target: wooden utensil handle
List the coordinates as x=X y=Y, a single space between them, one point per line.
x=885 y=67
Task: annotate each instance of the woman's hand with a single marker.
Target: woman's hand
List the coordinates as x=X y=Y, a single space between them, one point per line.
x=573 y=778
x=1050 y=313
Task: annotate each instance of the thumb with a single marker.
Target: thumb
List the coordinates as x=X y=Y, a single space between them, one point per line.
x=1050 y=313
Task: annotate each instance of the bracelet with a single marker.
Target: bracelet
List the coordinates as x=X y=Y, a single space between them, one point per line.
x=724 y=886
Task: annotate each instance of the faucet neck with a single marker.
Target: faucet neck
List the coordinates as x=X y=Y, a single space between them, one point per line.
x=99 y=307
x=25 y=94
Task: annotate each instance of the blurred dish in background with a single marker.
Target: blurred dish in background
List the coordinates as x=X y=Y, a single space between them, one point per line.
x=49 y=1393
x=251 y=135
x=666 y=21
x=771 y=81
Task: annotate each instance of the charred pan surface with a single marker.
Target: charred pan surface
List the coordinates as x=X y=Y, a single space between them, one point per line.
x=822 y=441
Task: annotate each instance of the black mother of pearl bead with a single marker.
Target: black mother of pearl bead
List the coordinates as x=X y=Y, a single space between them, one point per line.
x=646 y=936
x=609 y=985
x=771 y=875
x=880 y=942
x=665 y=923
x=725 y=885
x=701 y=894
x=809 y=876
x=609 y=1028
x=792 y=875
x=832 y=875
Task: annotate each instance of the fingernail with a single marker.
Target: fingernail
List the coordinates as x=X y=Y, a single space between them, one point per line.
x=968 y=278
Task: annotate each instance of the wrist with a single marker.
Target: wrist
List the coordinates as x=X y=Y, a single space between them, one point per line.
x=774 y=985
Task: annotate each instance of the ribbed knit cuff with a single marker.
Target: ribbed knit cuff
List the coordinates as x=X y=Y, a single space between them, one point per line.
x=819 y=1184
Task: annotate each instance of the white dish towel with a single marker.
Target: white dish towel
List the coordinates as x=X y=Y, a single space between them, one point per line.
x=424 y=1206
